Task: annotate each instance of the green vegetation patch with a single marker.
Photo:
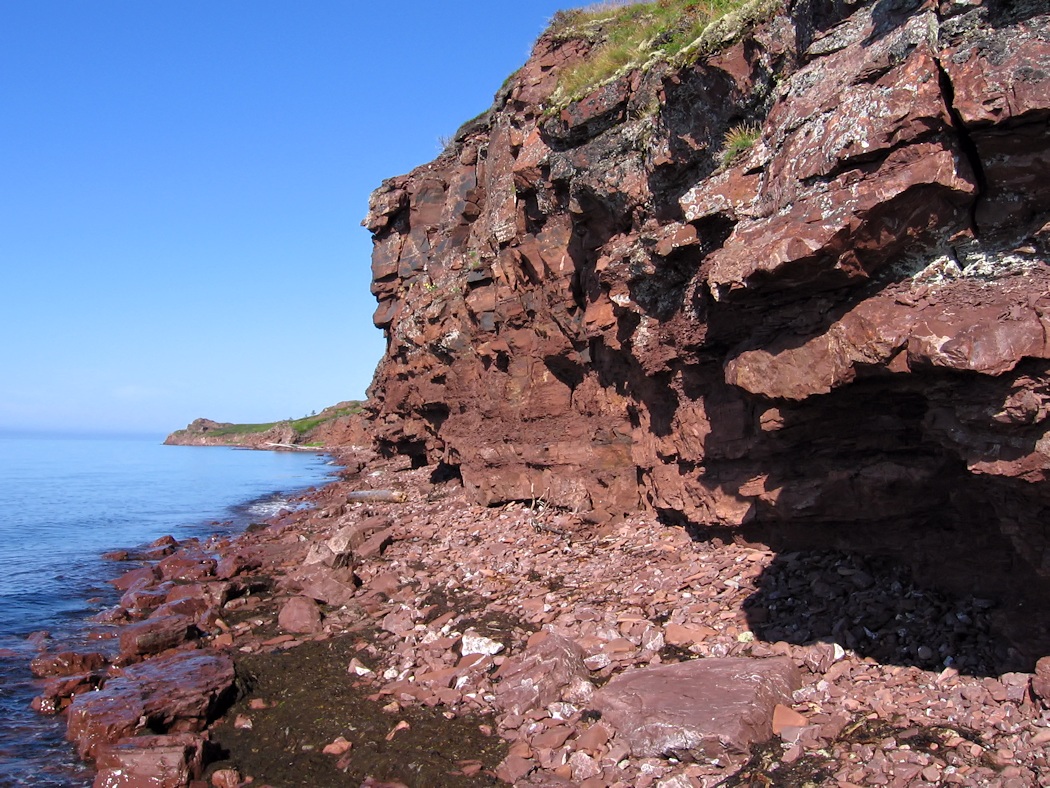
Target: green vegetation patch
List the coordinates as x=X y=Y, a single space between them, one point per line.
x=241 y=429
x=628 y=36
x=738 y=140
x=301 y=425
x=308 y=423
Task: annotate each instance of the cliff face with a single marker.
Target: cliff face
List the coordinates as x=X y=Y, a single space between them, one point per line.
x=838 y=336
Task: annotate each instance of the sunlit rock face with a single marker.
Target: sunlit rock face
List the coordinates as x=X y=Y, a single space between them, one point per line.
x=838 y=336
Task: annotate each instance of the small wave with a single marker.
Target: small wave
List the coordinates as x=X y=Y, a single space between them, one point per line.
x=268 y=508
x=270 y=505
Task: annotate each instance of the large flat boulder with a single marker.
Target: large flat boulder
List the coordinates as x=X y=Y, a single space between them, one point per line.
x=154 y=635
x=150 y=762
x=704 y=706
x=177 y=693
x=66 y=663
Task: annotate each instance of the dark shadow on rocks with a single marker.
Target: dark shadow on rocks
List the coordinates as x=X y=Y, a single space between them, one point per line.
x=880 y=468
x=888 y=15
x=877 y=608
x=445 y=472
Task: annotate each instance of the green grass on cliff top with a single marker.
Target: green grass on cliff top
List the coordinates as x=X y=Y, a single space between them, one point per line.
x=630 y=35
x=301 y=426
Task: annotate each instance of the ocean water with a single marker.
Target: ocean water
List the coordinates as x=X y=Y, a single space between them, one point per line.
x=63 y=502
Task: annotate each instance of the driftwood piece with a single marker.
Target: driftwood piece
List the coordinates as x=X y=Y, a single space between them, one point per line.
x=292 y=446
x=376 y=496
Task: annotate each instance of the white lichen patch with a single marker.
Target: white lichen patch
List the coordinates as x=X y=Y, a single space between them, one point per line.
x=960 y=264
x=989 y=265
x=449 y=341
x=473 y=643
x=642 y=334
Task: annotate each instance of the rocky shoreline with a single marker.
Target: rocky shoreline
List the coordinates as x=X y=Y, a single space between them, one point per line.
x=718 y=464
x=391 y=632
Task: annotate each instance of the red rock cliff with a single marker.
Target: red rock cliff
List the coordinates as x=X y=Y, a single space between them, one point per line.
x=841 y=335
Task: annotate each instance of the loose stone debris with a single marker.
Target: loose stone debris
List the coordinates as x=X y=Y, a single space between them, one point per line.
x=625 y=654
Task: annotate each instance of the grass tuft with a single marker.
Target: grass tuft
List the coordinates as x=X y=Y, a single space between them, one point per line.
x=738 y=140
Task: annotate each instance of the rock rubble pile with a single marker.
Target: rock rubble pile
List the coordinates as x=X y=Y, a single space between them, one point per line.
x=616 y=654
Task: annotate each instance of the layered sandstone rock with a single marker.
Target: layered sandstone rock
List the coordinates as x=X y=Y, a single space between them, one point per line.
x=845 y=325
x=177 y=693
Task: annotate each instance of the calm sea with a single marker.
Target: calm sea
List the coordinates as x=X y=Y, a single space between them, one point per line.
x=63 y=502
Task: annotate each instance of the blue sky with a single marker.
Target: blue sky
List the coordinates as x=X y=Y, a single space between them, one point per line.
x=181 y=189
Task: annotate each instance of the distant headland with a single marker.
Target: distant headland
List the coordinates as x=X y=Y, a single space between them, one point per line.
x=337 y=425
